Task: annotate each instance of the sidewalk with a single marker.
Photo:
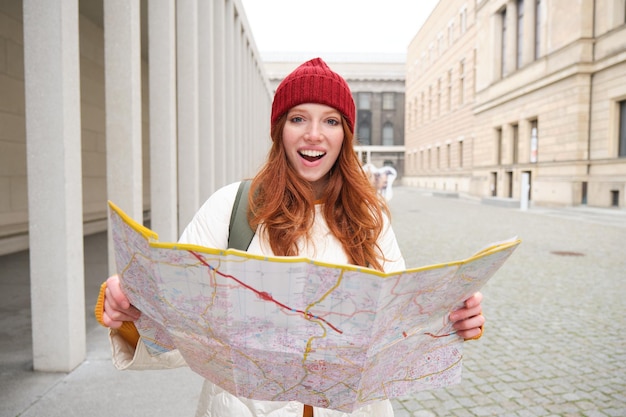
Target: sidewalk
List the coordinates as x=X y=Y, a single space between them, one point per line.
x=554 y=341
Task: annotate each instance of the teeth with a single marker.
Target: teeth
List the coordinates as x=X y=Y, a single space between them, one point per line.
x=311 y=153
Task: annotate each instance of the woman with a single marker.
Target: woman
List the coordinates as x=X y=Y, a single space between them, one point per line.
x=310 y=199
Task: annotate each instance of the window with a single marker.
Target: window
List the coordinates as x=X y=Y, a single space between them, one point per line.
x=450 y=90
x=520 y=33
x=439 y=44
x=515 y=129
x=499 y=146
x=460 y=154
x=364 y=134
x=538 y=22
x=448 y=156
x=450 y=32
x=365 y=100
x=438 y=157
x=388 y=134
x=534 y=140
x=622 y=129
x=439 y=97
x=430 y=102
x=503 y=43
x=389 y=102
x=462 y=82
x=463 y=20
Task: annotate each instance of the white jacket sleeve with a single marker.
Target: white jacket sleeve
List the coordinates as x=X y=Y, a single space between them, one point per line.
x=209 y=227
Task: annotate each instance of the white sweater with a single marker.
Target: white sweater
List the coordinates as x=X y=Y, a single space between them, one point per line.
x=209 y=228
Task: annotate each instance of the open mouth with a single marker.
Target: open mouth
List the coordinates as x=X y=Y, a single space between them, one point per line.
x=311 y=155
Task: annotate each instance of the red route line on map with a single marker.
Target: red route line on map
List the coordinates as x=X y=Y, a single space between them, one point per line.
x=264 y=295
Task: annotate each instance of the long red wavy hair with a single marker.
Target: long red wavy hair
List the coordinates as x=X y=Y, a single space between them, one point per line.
x=284 y=203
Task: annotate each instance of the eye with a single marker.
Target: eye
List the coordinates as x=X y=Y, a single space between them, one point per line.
x=296 y=119
x=333 y=122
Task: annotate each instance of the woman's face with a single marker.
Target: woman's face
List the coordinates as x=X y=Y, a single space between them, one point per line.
x=312 y=137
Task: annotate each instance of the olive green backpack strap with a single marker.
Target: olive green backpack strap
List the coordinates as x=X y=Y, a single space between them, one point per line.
x=239 y=232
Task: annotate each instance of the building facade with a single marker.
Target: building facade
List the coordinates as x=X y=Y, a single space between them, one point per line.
x=152 y=108
x=377 y=85
x=520 y=99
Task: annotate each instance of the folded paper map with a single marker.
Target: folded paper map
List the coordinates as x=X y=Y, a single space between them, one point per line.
x=290 y=328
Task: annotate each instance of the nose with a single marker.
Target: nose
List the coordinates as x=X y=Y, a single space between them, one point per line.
x=314 y=132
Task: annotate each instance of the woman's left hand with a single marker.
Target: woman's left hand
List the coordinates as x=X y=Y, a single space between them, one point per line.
x=468 y=320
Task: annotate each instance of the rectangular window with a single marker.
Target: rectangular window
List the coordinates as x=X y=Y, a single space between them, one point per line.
x=439 y=44
x=430 y=102
x=439 y=97
x=534 y=141
x=463 y=20
x=498 y=146
x=450 y=32
x=365 y=101
x=503 y=43
x=450 y=90
x=460 y=154
x=520 y=33
x=515 y=129
x=438 y=157
x=389 y=102
x=614 y=198
x=462 y=82
x=538 y=22
x=448 y=152
x=622 y=129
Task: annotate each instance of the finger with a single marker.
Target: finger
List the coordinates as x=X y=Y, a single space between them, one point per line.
x=109 y=322
x=116 y=313
x=474 y=300
x=465 y=313
x=470 y=323
x=470 y=334
x=114 y=290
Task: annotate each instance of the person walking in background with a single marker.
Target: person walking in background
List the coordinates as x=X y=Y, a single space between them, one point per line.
x=311 y=199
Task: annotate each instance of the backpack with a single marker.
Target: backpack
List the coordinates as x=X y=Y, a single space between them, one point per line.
x=240 y=233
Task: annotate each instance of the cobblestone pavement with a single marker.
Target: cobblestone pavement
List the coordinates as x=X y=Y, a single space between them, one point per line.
x=554 y=342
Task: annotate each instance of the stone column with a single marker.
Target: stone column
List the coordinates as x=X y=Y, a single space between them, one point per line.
x=220 y=111
x=53 y=141
x=122 y=74
x=188 y=120
x=230 y=99
x=239 y=119
x=210 y=158
x=163 y=152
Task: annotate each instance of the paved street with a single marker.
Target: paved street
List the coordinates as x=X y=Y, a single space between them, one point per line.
x=554 y=343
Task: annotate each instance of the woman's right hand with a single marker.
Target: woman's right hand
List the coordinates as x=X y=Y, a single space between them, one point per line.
x=117 y=308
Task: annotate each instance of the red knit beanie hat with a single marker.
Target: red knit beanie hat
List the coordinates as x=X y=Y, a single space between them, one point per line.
x=314 y=82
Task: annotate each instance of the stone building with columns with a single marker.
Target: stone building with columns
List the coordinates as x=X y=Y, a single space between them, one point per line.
x=153 y=105
x=520 y=100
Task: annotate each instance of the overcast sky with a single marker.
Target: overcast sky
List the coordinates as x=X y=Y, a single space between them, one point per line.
x=336 y=26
